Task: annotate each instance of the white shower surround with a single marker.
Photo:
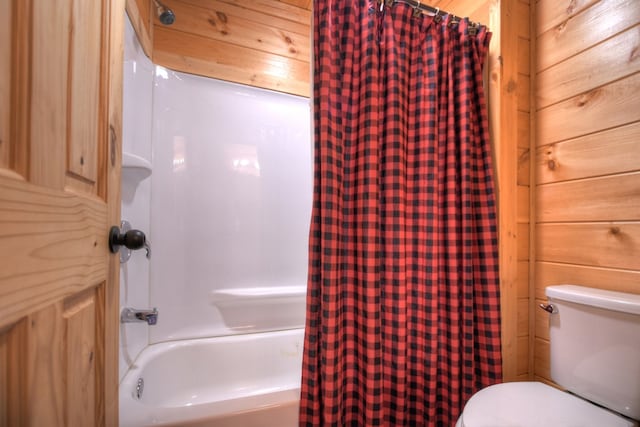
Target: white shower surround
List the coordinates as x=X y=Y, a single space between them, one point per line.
x=230 y=203
x=136 y=196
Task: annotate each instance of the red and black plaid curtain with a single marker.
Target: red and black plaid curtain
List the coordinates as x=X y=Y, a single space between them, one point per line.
x=403 y=314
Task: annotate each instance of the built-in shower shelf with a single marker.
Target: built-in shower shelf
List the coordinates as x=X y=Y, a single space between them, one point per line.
x=135 y=168
x=261 y=308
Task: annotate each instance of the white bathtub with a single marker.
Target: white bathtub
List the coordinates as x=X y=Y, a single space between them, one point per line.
x=241 y=380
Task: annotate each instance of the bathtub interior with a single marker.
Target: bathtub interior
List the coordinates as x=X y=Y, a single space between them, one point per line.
x=224 y=378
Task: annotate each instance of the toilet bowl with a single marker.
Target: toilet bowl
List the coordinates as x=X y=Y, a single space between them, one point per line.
x=594 y=338
x=534 y=404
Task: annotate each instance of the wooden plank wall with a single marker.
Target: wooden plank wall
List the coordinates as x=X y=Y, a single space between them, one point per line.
x=513 y=181
x=139 y=12
x=259 y=43
x=524 y=366
x=587 y=160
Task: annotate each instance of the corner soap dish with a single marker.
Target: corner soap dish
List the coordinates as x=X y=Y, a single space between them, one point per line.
x=135 y=168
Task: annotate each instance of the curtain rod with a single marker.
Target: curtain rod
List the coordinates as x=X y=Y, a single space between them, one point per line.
x=420 y=7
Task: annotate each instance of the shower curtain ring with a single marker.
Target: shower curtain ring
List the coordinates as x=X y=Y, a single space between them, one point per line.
x=437 y=18
x=416 y=10
x=473 y=28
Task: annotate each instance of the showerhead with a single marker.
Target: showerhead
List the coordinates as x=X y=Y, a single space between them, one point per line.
x=165 y=15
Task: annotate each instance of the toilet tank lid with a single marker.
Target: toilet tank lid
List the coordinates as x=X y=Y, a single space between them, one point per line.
x=609 y=300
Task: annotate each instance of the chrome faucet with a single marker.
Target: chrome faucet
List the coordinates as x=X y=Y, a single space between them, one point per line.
x=133 y=315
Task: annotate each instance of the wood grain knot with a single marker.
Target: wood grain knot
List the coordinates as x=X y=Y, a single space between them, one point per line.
x=615 y=230
x=222 y=17
x=550 y=149
x=511 y=86
x=635 y=53
x=571 y=7
x=212 y=22
x=587 y=98
x=551 y=164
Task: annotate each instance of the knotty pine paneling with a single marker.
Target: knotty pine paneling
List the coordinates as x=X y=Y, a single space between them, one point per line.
x=522 y=238
x=237 y=26
x=522 y=364
x=614 y=104
x=524 y=55
x=523 y=204
x=550 y=13
x=140 y=14
x=524 y=167
x=524 y=147
x=207 y=57
x=523 y=317
x=608 y=152
x=524 y=92
x=590 y=199
x=523 y=279
x=509 y=103
x=599 y=244
x=550 y=273
x=610 y=60
x=267 y=8
x=303 y=4
x=605 y=18
x=263 y=44
x=542 y=367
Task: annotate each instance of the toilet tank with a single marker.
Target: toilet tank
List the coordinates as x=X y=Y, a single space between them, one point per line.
x=595 y=345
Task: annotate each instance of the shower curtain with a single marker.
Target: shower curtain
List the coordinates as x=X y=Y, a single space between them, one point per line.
x=403 y=316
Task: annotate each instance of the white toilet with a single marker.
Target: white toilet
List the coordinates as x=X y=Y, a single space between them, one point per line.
x=595 y=354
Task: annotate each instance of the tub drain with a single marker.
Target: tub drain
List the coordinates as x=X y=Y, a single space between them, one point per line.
x=139 y=388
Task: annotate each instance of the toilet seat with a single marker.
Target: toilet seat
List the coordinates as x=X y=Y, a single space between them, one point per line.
x=534 y=404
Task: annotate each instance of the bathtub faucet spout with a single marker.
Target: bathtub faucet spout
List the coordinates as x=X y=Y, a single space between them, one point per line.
x=132 y=315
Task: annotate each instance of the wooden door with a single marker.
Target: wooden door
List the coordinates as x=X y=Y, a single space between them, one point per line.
x=60 y=127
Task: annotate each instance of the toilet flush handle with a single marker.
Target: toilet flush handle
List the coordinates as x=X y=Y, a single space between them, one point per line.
x=548 y=308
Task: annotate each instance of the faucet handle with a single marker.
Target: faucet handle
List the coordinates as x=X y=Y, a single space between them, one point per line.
x=132 y=315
